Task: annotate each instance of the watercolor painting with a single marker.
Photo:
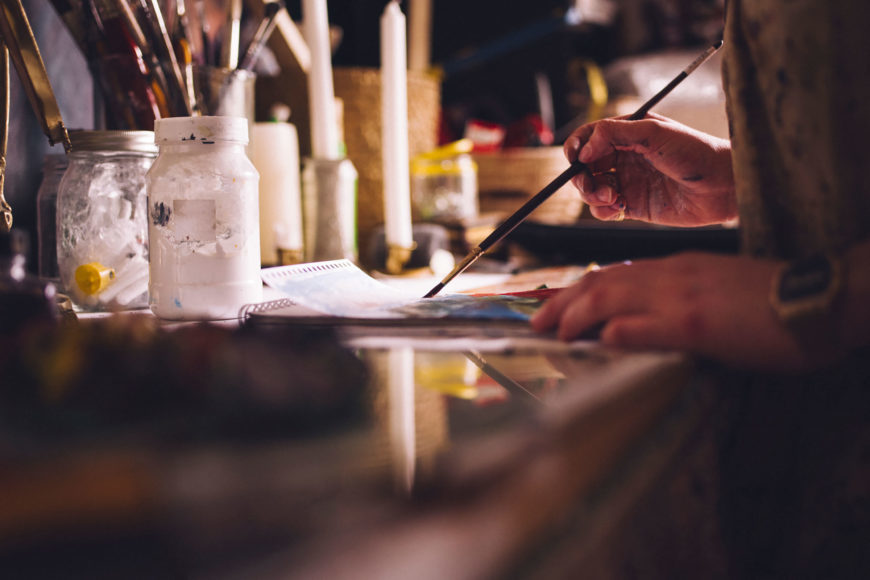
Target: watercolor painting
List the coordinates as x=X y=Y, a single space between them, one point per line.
x=339 y=288
x=501 y=307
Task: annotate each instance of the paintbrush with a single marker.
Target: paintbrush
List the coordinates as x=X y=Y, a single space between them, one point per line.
x=261 y=36
x=159 y=84
x=153 y=15
x=230 y=42
x=183 y=42
x=574 y=169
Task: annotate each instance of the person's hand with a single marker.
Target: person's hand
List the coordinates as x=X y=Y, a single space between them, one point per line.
x=655 y=170
x=708 y=304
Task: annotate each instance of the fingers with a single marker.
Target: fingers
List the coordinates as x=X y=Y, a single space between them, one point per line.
x=646 y=137
x=716 y=306
x=598 y=144
x=576 y=144
x=657 y=303
x=590 y=302
x=576 y=140
x=601 y=193
x=612 y=135
x=547 y=317
x=598 y=189
x=615 y=212
x=641 y=331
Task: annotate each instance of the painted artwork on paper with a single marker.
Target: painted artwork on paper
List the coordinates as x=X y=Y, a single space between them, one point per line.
x=339 y=288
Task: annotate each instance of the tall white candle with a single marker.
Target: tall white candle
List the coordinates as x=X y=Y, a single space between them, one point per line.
x=394 y=115
x=321 y=94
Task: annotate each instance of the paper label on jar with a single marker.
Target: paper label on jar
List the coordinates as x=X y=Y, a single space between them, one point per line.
x=194 y=220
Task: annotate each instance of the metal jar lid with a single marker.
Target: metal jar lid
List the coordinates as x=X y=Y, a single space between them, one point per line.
x=132 y=141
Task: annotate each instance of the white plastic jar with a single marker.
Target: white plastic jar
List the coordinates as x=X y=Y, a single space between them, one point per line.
x=203 y=220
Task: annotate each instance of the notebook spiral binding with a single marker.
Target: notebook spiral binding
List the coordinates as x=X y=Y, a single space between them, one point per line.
x=313 y=268
x=297 y=271
x=248 y=309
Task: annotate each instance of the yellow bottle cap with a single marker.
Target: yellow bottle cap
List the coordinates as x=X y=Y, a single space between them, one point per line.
x=94 y=277
x=450 y=159
x=449 y=150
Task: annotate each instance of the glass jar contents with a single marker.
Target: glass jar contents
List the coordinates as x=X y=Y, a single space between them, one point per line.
x=444 y=183
x=203 y=222
x=102 y=224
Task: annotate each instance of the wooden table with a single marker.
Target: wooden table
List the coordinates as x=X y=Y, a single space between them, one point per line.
x=534 y=462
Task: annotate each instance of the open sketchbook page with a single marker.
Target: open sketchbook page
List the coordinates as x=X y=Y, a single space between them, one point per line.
x=338 y=291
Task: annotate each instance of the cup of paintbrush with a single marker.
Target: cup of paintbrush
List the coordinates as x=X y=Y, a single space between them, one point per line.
x=225 y=92
x=230 y=91
x=158 y=34
x=261 y=35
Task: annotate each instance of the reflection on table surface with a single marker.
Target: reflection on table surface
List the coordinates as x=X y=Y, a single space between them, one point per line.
x=150 y=450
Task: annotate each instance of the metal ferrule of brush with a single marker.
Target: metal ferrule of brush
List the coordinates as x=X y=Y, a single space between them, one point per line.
x=460 y=268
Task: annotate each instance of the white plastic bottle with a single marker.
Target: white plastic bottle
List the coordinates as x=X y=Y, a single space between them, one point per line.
x=203 y=220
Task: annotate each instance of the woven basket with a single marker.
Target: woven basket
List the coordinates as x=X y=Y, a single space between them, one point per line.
x=508 y=178
x=360 y=90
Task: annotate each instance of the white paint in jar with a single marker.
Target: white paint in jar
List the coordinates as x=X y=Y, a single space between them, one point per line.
x=203 y=220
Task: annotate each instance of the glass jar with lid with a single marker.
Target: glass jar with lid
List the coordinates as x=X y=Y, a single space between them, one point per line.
x=444 y=183
x=102 y=224
x=204 y=223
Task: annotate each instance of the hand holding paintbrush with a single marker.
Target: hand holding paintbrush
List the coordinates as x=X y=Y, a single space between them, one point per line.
x=574 y=169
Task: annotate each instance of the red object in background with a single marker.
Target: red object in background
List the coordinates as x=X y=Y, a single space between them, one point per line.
x=486 y=136
x=530 y=131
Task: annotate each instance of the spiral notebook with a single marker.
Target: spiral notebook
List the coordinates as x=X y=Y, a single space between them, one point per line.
x=339 y=293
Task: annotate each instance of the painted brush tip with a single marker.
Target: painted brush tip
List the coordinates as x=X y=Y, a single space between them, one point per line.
x=434 y=290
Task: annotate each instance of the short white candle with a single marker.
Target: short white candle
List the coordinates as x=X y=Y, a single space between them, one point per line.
x=394 y=115
x=274 y=151
x=321 y=94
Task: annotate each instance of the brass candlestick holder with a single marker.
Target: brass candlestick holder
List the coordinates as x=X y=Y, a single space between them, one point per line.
x=398 y=257
x=288 y=257
x=429 y=250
